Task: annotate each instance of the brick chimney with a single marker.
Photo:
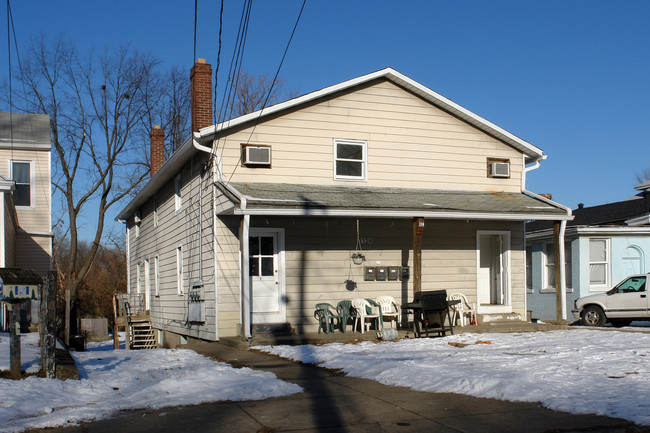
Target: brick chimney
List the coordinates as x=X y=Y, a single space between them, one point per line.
x=201 y=97
x=157 y=138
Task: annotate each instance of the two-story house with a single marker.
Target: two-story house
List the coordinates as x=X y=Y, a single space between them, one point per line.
x=25 y=198
x=254 y=220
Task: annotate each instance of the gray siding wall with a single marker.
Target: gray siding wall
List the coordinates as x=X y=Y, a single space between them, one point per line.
x=191 y=227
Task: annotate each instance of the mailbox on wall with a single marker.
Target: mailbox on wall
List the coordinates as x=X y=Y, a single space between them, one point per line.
x=381 y=273
x=370 y=273
x=393 y=273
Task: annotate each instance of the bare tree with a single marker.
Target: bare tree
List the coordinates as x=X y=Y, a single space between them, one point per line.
x=98 y=106
x=251 y=91
x=172 y=109
x=643 y=176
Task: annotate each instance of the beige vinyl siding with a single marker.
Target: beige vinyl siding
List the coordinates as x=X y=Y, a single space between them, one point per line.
x=317 y=262
x=229 y=281
x=191 y=227
x=410 y=144
x=36 y=218
x=34 y=252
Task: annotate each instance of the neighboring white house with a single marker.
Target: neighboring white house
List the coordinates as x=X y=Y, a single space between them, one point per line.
x=255 y=220
x=25 y=197
x=603 y=245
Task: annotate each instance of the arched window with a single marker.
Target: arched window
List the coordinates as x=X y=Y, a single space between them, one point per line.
x=633 y=262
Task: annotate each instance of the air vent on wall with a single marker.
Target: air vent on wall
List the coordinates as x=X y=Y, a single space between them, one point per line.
x=500 y=169
x=257 y=155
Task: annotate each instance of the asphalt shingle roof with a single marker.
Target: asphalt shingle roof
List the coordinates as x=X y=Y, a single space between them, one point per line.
x=284 y=196
x=604 y=214
x=27 y=128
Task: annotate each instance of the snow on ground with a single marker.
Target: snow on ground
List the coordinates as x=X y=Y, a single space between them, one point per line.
x=578 y=370
x=123 y=379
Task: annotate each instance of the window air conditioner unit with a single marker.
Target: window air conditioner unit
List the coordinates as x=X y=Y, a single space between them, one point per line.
x=257 y=155
x=500 y=169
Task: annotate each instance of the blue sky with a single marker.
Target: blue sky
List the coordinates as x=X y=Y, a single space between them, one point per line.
x=570 y=77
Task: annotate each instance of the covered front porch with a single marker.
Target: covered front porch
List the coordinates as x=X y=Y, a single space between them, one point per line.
x=303 y=245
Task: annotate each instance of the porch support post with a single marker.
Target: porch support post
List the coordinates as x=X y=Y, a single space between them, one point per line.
x=559 y=227
x=418 y=229
x=245 y=279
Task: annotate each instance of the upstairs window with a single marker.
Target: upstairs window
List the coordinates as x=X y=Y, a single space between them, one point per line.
x=22 y=176
x=350 y=159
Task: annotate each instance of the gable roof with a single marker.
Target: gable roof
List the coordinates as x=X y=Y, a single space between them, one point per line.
x=532 y=153
x=205 y=135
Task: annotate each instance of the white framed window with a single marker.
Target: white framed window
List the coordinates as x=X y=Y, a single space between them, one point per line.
x=177 y=193
x=549 y=266
x=156 y=276
x=179 y=268
x=350 y=160
x=22 y=173
x=599 y=269
x=138 y=276
x=155 y=211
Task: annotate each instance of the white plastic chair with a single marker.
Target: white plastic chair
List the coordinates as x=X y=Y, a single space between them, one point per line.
x=364 y=311
x=461 y=309
x=389 y=308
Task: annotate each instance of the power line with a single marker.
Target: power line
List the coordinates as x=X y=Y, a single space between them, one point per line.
x=277 y=72
x=216 y=73
x=196 y=7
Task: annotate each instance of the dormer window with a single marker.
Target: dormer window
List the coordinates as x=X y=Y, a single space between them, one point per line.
x=350 y=160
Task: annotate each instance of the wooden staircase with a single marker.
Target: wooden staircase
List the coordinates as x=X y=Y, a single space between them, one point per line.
x=130 y=315
x=140 y=333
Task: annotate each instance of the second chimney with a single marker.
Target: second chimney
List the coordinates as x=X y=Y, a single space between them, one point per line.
x=201 y=96
x=157 y=138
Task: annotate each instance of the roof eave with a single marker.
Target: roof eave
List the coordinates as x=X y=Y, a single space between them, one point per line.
x=162 y=176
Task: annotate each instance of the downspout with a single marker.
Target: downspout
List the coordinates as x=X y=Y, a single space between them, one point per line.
x=215 y=245
x=245 y=229
x=560 y=235
x=562 y=268
x=245 y=280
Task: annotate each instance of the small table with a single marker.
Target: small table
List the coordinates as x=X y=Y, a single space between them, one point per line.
x=419 y=316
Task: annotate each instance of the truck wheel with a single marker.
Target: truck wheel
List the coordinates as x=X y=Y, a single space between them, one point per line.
x=592 y=315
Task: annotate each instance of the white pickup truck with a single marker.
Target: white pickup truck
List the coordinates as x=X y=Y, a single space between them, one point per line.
x=627 y=301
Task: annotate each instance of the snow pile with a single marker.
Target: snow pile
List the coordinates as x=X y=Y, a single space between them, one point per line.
x=117 y=380
x=579 y=371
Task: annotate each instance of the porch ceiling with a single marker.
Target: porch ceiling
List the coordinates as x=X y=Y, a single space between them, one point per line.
x=296 y=199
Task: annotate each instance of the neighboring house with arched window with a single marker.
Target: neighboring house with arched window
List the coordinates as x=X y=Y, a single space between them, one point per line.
x=603 y=245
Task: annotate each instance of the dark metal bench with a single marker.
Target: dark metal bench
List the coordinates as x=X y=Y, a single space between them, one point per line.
x=429 y=311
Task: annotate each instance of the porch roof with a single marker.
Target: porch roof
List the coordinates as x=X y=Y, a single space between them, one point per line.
x=297 y=199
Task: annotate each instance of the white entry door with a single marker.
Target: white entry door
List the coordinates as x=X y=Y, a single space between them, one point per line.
x=266 y=271
x=493 y=274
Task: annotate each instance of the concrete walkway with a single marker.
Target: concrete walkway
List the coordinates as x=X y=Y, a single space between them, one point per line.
x=332 y=402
